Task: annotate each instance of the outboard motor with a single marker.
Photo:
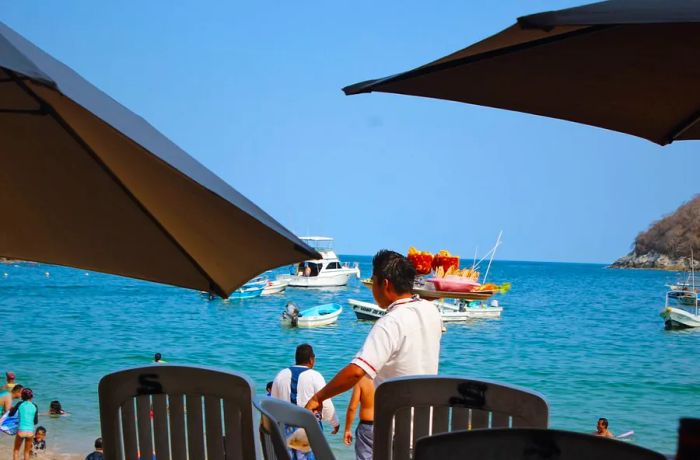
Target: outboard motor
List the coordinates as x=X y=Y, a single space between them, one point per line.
x=292 y=311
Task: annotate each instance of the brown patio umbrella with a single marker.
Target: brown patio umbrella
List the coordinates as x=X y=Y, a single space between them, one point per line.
x=86 y=183
x=626 y=65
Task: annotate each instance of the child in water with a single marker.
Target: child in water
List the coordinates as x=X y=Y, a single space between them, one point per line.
x=28 y=418
x=39 y=443
x=55 y=409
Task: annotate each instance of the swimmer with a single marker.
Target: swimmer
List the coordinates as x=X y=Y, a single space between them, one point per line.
x=602 y=428
x=55 y=410
x=158 y=359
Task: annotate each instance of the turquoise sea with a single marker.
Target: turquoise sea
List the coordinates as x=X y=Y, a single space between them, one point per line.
x=588 y=338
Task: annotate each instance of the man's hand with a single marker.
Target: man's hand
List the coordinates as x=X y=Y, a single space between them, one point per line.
x=314 y=405
x=347 y=438
x=335 y=429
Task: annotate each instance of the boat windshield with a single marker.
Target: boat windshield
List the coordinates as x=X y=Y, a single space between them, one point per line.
x=319 y=243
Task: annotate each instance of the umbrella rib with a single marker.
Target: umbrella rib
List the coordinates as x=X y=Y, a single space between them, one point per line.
x=46 y=108
x=370 y=85
x=682 y=127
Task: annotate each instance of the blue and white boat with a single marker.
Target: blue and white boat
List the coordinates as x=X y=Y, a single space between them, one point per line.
x=321 y=315
x=248 y=291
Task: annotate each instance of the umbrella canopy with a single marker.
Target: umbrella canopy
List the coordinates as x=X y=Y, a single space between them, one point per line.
x=626 y=65
x=87 y=183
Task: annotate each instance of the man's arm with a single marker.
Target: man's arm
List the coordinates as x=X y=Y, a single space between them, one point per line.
x=342 y=382
x=350 y=414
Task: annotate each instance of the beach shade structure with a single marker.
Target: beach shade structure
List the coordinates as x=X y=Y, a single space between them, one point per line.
x=625 y=65
x=86 y=183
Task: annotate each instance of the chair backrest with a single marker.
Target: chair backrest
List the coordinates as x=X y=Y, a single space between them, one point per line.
x=408 y=408
x=276 y=417
x=527 y=444
x=176 y=412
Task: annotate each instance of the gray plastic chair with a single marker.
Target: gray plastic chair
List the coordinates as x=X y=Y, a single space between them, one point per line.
x=408 y=408
x=276 y=415
x=527 y=444
x=176 y=412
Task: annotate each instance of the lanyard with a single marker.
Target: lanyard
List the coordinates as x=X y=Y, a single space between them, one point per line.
x=399 y=302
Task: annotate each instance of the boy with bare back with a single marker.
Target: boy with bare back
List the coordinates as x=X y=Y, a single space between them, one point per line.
x=362 y=393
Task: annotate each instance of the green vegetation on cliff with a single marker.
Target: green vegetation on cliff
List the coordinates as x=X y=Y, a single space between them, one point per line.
x=673 y=235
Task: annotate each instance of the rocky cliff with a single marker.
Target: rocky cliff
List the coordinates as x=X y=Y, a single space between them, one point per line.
x=666 y=245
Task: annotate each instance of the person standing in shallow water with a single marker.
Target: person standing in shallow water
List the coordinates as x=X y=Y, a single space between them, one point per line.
x=28 y=418
x=97 y=454
x=362 y=394
x=405 y=341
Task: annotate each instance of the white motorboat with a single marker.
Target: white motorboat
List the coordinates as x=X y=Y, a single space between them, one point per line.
x=451 y=312
x=325 y=272
x=682 y=315
x=321 y=315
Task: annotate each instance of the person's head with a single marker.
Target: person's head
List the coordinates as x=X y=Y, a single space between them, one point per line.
x=27 y=394
x=55 y=407
x=305 y=355
x=16 y=391
x=392 y=277
x=98 y=444
x=268 y=387
x=602 y=424
x=10 y=377
x=157 y=357
x=40 y=433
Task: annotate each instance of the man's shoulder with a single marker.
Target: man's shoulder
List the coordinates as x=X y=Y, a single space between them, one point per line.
x=282 y=373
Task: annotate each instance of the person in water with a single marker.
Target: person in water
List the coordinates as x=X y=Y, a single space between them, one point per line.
x=268 y=388
x=296 y=384
x=39 y=442
x=7 y=398
x=97 y=454
x=158 y=359
x=602 y=428
x=362 y=393
x=28 y=418
x=405 y=341
x=55 y=409
x=10 y=379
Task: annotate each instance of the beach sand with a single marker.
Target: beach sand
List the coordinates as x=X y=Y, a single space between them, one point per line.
x=6 y=452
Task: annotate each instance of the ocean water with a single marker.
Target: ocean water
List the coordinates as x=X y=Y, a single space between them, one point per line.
x=588 y=338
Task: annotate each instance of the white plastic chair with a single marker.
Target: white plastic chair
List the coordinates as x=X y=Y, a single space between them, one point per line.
x=176 y=412
x=276 y=416
x=408 y=408
x=527 y=444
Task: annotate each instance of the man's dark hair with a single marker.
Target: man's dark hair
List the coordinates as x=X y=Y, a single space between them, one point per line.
x=392 y=266
x=604 y=420
x=40 y=429
x=304 y=354
x=157 y=357
x=98 y=443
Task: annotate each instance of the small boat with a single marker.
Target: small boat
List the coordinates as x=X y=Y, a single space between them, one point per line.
x=366 y=310
x=325 y=272
x=464 y=310
x=321 y=315
x=247 y=291
x=274 y=287
x=451 y=312
x=682 y=316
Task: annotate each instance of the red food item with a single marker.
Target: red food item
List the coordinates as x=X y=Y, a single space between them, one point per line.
x=422 y=262
x=445 y=262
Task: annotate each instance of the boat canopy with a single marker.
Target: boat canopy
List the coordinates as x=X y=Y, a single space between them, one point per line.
x=320 y=243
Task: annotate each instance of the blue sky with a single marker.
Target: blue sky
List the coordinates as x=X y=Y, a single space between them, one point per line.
x=252 y=90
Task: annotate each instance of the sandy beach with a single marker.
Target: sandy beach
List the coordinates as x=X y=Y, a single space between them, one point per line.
x=6 y=452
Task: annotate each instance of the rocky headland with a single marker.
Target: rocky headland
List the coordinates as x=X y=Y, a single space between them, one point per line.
x=667 y=243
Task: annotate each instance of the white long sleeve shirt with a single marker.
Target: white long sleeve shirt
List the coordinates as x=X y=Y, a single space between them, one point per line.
x=309 y=383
